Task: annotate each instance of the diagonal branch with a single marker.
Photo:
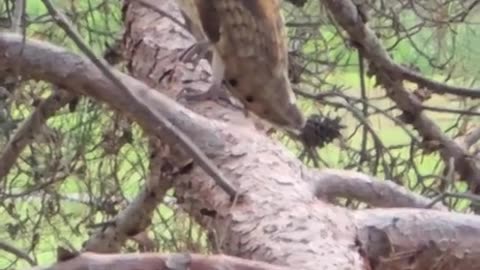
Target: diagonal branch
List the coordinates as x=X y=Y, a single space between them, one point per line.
x=404 y=239
x=435 y=86
x=331 y=183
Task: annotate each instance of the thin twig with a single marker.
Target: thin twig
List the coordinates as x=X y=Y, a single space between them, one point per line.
x=454 y=111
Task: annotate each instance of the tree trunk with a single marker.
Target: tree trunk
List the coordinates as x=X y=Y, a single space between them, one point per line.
x=281 y=221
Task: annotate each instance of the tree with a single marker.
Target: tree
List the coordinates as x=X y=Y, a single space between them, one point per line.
x=291 y=215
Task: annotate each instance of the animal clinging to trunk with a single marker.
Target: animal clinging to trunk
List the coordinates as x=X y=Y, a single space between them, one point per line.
x=249 y=44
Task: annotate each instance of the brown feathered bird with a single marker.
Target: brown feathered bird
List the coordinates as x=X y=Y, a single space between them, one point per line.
x=249 y=43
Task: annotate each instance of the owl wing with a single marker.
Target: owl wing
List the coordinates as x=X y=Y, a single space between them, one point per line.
x=246 y=29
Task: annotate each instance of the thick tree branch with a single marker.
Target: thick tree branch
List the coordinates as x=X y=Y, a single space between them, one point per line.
x=330 y=183
x=152 y=261
x=419 y=239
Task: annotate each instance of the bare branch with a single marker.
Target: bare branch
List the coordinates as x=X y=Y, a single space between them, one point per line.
x=435 y=86
x=330 y=183
x=151 y=261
